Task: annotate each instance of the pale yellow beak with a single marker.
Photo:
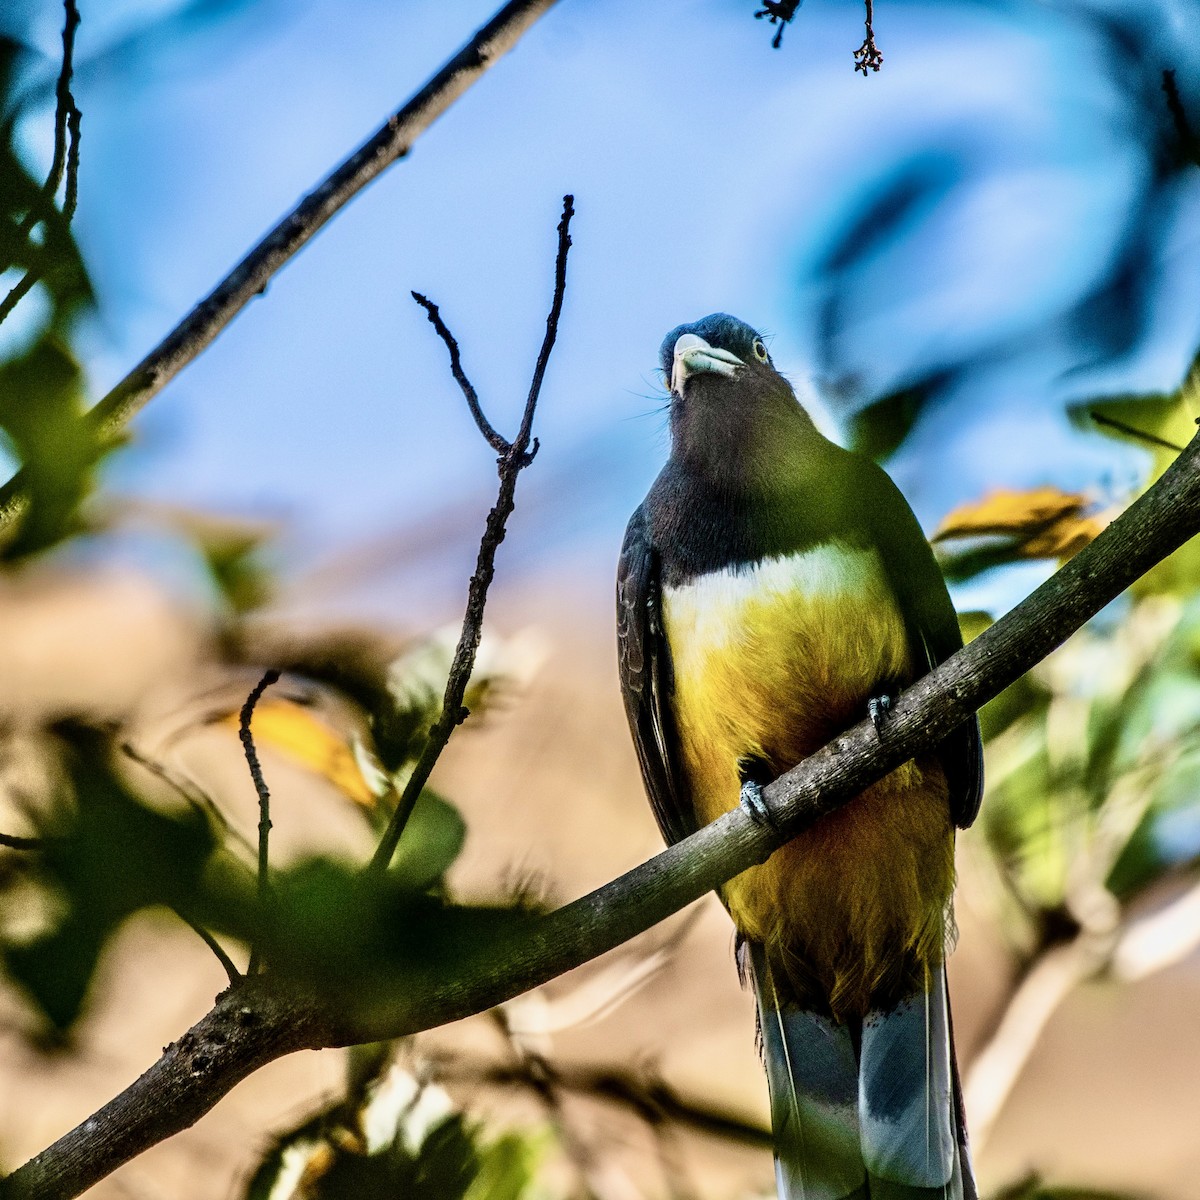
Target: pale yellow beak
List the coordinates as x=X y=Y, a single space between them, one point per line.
x=694 y=356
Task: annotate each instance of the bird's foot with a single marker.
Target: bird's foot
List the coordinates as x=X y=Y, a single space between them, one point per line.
x=756 y=806
x=878 y=708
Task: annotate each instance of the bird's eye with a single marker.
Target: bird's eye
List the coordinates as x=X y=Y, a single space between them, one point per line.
x=760 y=351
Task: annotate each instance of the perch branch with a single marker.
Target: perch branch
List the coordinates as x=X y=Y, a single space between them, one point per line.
x=262 y=1019
x=250 y=277
x=514 y=457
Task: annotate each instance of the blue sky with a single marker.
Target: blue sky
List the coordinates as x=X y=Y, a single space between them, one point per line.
x=710 y=172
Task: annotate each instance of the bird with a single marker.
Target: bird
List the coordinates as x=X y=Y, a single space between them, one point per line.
x=773 y=589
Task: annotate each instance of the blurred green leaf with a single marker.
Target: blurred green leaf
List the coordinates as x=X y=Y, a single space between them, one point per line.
x=878 y=430
x=358 y=935
x=41 y=412
x=433 y=839
x=117 y=857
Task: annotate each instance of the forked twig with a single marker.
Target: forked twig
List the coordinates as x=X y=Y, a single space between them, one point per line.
x=515 y=456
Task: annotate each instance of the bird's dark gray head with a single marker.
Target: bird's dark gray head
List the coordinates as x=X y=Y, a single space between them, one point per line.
x=733 y=416
x=717 y=344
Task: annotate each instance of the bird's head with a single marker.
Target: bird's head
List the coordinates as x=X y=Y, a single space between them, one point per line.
x=726 y=395
x=717 y=345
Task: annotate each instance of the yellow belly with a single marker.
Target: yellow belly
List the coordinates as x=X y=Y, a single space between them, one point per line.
x=770 y=662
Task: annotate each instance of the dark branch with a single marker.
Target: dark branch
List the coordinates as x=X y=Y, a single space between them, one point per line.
x=264 y=794
x=262 y=1019
x=1141 y=435
x=493 y=439
x=67 y=119
x=514 y=458
x=1188 y=142
x=250 y=277
x=10 y=841
x=650 y=1098
x=868 y=57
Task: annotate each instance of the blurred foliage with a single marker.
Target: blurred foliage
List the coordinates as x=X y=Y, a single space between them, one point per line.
x=396 y=1135
x=1144 y=53
x=112 y=857
x=1093 y=773
x=41 y=385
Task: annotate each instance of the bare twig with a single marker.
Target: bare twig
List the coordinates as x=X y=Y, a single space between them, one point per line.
x=235 y=976
x=250 y=277
x=868 y=57
x=264 y=1018
x=67 y=120
x=264 y=795
x=1188 y=142
x=493 y=439
x=514 y=457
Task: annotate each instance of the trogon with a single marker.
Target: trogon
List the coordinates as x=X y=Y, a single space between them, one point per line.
x=773 y=590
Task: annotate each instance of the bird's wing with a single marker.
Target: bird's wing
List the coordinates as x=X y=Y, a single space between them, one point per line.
x=932 y=623
x=645 y=668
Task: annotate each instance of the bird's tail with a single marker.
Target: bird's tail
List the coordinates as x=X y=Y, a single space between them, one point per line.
x=867 y=1111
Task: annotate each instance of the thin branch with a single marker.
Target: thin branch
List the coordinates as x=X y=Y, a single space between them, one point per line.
x=516 y=456
x=651 y=1099
x=1141 y=435
x=264 y=795
x=250 y=277
x=10 y=841
x=493 y=439
x=998 y=1066
x=235 y=976
x=67 y=121
x=264 y=1018
x=190 y=792
x=1188 y=142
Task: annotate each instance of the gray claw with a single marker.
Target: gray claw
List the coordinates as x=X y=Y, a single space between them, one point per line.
x=878 y=708
x=757 y=808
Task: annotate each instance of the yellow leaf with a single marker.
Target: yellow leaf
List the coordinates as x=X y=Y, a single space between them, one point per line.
x=297 y=733
x=1038 y=522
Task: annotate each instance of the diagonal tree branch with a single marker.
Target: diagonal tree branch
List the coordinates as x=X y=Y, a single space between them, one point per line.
x=263 y=1018
x=250 y=277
